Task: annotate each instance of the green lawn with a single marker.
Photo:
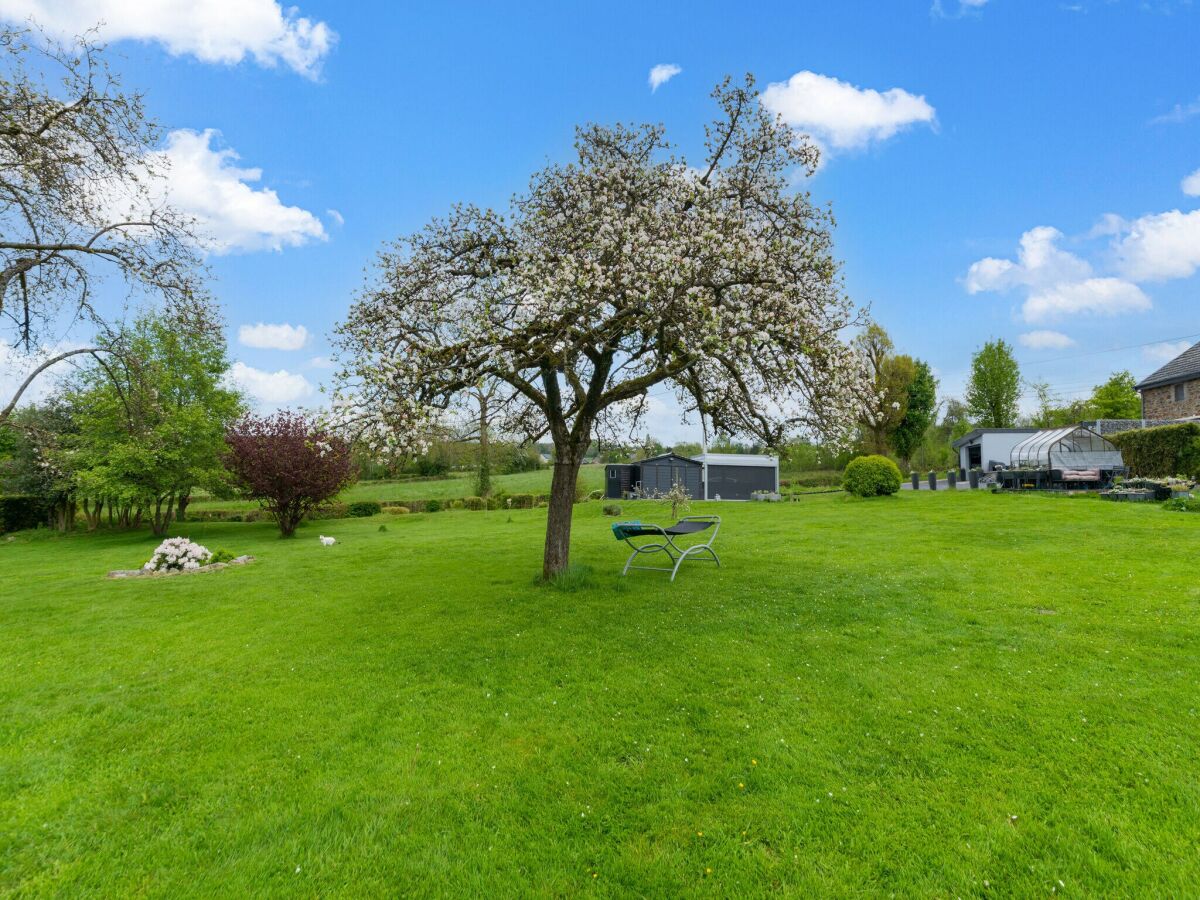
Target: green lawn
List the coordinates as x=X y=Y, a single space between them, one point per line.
x=458 y=485
x=936 y=695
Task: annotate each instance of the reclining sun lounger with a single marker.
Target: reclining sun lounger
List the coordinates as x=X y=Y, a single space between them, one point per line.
x=662 y=541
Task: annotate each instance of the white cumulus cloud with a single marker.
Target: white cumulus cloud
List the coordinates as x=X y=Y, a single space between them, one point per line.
x=1160 y=246
x=231 y=214
x=1046 y=340
x=1040 y=262
x=1092 y=296
x=269 y=388
x=273 y=337
x=661 y=74
x=1166 y=351
x=842 y=116
x=215 y=31
x=1057 y=283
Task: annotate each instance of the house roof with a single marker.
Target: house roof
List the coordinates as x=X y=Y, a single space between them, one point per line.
x=980 y=432
x=1184 y=367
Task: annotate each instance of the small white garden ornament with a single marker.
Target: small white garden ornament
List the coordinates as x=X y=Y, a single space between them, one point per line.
x=328 y=541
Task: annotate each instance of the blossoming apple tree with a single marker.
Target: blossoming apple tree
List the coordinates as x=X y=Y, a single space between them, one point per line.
x=623 y=270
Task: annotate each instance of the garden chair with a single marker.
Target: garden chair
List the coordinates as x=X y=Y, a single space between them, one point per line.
x=662 y=540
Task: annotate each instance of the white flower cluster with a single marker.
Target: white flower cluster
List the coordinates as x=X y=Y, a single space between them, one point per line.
x=615 y=273
x=177 y=554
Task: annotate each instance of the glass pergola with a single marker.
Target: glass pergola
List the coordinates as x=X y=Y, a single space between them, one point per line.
x=1072 y=447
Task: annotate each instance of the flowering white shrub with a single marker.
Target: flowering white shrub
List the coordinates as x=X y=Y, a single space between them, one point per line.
x=177 y=554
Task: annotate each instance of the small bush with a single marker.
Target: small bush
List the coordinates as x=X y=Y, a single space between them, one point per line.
x=361 y=509
x=611 y=509
x=871 y=476
x=1182 y=504
x=221 y=556
x=433 y=506
x=473 y=502
x=456 y=504
x=596 y=495
x=521 y=501
x=398 y=510
x=383 y=528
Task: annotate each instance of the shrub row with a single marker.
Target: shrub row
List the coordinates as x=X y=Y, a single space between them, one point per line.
x=1161 y=452
x=364 y=508
x=818 y=479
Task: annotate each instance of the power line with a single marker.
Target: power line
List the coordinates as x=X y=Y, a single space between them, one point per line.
x=1181 y=337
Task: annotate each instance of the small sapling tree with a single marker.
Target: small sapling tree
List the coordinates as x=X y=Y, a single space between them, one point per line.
x=288 y=463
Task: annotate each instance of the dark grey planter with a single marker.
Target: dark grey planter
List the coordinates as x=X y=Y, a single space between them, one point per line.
x=916 y=481
x=933 y=481
x=973 y=479
x=952 y=479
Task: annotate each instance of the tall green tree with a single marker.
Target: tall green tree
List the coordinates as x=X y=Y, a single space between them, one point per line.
x=920 y=410
x=152 y=429
x=1117 y=398
x=1053 y=412
x=891 y=377
x=995 y=386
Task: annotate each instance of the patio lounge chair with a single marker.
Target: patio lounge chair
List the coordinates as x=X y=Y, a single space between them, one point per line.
x=662 y=540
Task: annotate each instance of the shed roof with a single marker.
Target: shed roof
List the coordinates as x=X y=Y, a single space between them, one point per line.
x=1184 y=367
x=738 y=459
x=976 y=433
x=666 y=456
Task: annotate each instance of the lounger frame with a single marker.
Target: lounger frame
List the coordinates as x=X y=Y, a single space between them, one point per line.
x=662 y=543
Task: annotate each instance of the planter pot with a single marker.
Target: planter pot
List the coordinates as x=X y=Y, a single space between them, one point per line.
x=1129 y=496
x=1181 y=495
x=916 y=481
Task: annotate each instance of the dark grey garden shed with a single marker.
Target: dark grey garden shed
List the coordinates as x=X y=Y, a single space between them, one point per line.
x=710 y=476
x=653 y=476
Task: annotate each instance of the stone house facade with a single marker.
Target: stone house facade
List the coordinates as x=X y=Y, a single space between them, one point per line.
x=1173 y=392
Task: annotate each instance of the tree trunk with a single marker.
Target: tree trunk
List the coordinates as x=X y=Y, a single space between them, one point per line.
x=485 y=464
x=160 y=521
x=181 y=506
x=93 y=514
x=562 y=500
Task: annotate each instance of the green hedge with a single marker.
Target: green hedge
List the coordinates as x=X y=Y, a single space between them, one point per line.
x=19 y=511
x=522 y=501
x=871 y=476
x=1162 y=451
x=361 y=509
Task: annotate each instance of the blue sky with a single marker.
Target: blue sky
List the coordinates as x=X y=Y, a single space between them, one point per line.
x=953 y=133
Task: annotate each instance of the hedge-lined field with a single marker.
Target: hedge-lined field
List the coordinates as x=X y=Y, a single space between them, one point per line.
x=454 y=487
x=868 y=698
